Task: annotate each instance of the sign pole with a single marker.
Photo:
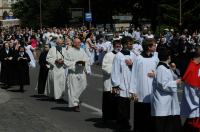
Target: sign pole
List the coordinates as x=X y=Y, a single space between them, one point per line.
x=89 y=12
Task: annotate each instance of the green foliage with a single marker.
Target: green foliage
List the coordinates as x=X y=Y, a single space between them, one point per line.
x=160 y=12
x=160 y=28
x=54 y=12
x=170 y=13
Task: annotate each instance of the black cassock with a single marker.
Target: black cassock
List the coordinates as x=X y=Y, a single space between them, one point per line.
x=43 y=72
x=7 y=67
x=22 y=69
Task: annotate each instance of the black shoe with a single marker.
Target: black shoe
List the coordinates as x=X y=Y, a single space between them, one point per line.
x=76 y=109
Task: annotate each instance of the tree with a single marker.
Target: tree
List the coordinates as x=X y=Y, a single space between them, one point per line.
x=160 y=12
x=54 y=12
x=170 y=13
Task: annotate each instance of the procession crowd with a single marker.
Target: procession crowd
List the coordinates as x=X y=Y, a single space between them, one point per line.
x=136 y=66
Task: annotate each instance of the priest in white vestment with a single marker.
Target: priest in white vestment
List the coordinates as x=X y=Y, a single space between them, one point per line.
x=77 y=63
x=56 y=80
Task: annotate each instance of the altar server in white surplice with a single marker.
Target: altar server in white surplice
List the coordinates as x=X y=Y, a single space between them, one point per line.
x=56 y=79
x=109 y=104
x=121 y=78
x=142 y=76
x=77 y=63
x=165 y=105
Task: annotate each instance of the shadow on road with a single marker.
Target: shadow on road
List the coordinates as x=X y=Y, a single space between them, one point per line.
x=16 y=90
x=46 y=98
x=99 y=123
x=38 y=96
x=63 y=109
x=43 y=98
x=61 y=101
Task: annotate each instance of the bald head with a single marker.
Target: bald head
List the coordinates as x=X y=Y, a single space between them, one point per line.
x=77 y=43
x=59 y=41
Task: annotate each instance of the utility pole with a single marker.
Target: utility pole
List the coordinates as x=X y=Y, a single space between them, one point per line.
x=40 y=14
x=180 y=13
x=89 y=12
x=2 y=8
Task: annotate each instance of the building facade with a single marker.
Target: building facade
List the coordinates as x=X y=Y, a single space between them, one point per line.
x=5 y=6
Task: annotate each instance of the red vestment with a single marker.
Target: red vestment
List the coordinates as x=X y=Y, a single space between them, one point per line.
x=192 y=75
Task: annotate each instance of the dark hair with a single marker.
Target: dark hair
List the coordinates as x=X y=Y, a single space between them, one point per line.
x=33 y=37
x=46 y=45
x=126 y=39
x=163 y=53
x=21 y=47
x=88 y=35
x=115 y=42
x=197 y=52
x=148 y=43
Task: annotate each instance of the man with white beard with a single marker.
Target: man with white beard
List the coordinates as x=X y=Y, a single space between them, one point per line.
x=56 y=79
x=77 y=63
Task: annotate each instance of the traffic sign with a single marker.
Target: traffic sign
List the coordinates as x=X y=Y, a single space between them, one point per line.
x=88 y=17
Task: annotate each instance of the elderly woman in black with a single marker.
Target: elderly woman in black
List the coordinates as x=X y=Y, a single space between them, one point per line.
x=7 y=61
x=22 y=69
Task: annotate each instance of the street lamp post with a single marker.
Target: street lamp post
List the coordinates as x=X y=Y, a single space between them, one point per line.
x=2 y=8
x=180 y=13
x=89 y=12
x=40 y=14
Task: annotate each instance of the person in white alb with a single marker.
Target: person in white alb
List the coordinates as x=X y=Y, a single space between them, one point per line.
x=165 y=108
x=109 y=101
x=143 y=73
x=121 y=79
x=55 y=85
x=77 y=63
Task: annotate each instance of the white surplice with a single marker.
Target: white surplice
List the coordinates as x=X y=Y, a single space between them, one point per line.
x=139 y=78
x=107 y=69
x=121 y=74
x=165 y=100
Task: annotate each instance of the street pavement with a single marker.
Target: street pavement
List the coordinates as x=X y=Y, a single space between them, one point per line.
x=29 y=112
x=15 y=116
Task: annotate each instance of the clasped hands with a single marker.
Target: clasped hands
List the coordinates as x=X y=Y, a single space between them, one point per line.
x=151 y=74
x=129 y=62
x=132 y=96
x=22 y=58
x=59 y=61
x=8 y=58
